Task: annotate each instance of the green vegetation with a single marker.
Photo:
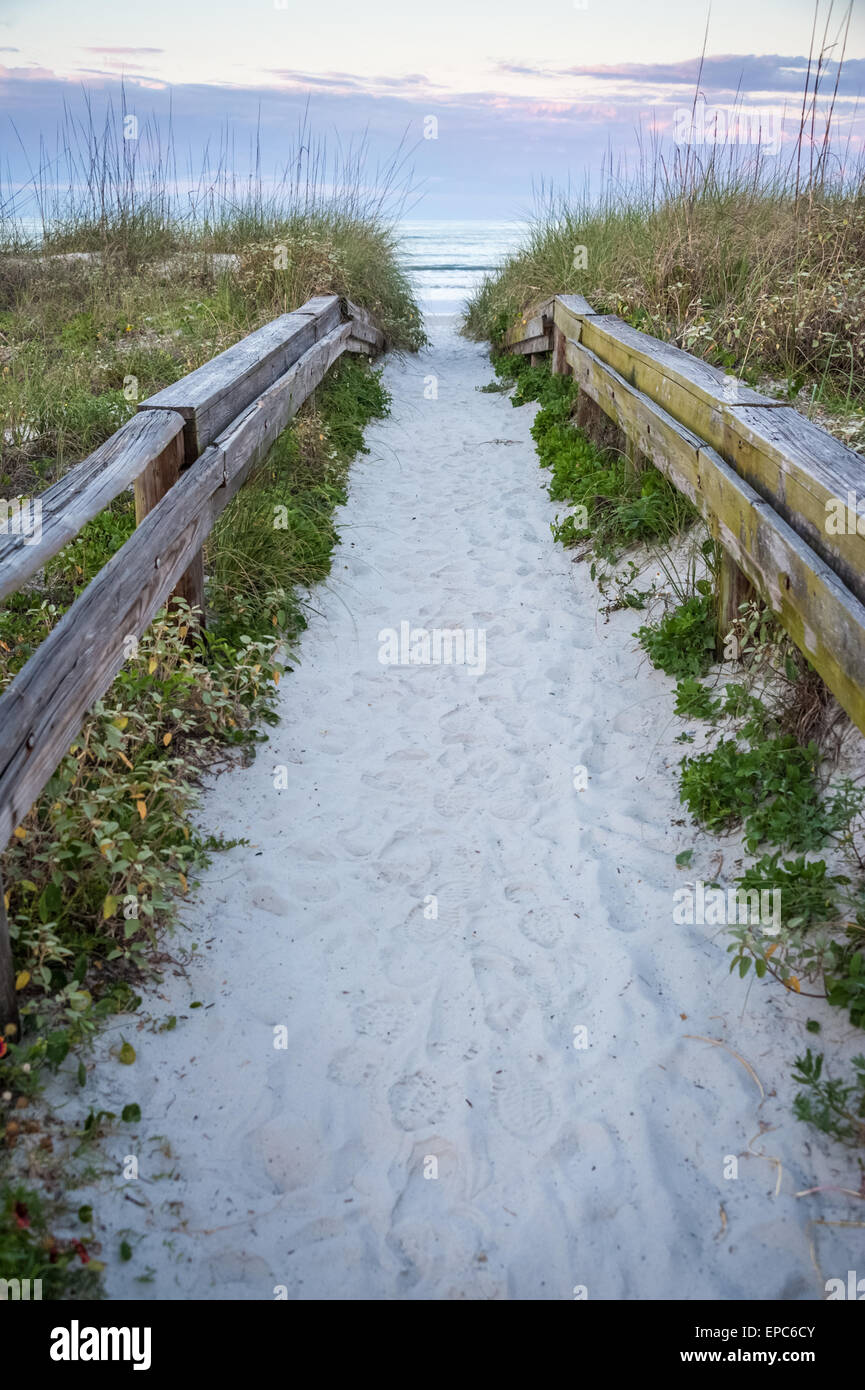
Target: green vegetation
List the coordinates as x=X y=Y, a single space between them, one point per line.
x=613 y=503
x=832 y=1107
x=767 y=783
x=683 y=643
x=30 y=1250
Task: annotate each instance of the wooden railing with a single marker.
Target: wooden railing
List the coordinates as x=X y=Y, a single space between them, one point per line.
x=770 y=484
x=187 y=453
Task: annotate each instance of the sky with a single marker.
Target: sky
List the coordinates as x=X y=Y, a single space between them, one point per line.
x=488 y=97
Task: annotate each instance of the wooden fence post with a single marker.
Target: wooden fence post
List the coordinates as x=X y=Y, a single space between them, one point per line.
x=635 y=460
x=558 y=364
x=150 y=487
x=9 y=1017
x=734 y=588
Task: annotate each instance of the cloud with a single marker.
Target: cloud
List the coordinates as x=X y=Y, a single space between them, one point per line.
x=111 y=72
x=723 y=72
x=492 y=148
x=520 y=70
x=117 y=48
x=333 y=81
x=339 y=82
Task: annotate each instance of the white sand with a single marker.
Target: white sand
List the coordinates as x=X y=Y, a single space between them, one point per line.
x=452 y=1038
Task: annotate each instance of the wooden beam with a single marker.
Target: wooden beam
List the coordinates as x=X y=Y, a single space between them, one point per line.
x=364 y=329
x=692 y=391
x=84 y=492
x=42 y=709
x=535 y=323
x=246 y=443
x=790 y=461
x=540 y=343
x=213 y=395
x=802 y=471
x=823 y=617
x=569 y=310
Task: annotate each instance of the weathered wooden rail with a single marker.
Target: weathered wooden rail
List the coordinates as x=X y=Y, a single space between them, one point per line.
x=187 y=453
x=766 y=480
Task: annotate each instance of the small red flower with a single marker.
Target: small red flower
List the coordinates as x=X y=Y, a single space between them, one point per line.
x=22 y=1216
x=81 y=1253
x=4 y=1047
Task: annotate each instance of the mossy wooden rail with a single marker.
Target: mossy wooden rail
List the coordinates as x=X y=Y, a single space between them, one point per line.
x=187 y=453
x=766 y=480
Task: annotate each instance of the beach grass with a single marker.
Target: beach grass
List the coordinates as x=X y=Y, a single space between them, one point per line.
x=752 y=257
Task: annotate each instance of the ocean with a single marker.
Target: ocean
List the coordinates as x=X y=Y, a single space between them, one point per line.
x=447 y=259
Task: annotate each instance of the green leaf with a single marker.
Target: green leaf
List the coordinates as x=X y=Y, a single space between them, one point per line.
x=684 y=857
x=50 y=902
x=131 y=1114
x=57 y=1047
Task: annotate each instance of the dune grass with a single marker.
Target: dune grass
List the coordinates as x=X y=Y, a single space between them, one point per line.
x=751 y=257
x=117 y=275
x=749 y=277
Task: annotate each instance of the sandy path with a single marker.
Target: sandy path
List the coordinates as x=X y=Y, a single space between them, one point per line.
x=412 y=1038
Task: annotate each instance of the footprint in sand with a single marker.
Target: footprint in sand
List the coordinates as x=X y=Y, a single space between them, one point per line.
x=505 y=1002
x=543 y=925
x=453 y=1027
x=509 y=802
x=418 y=1100
x=267 y=900
x=349 y=1067
x=381 y=1019
x=313 y=887
x=424 y=930
x=522 y=1105
x=405 y=860
x=457 y=800
x=359 y=841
